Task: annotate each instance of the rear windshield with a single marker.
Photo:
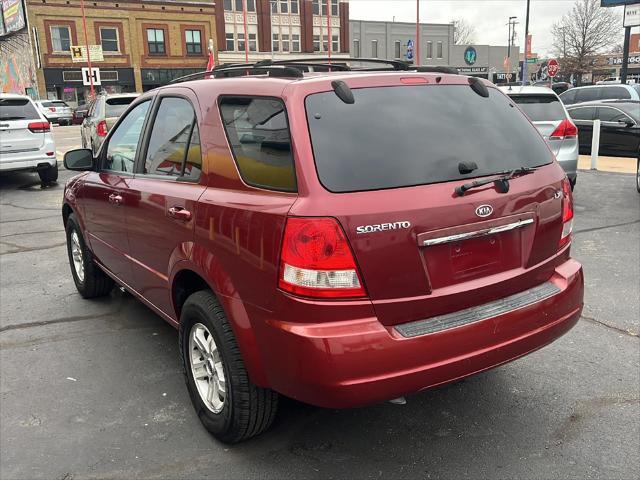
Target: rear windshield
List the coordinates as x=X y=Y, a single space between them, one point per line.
x=414 y=135
x=17 y=109
x=540 y=107
x=59 y=104
x=46 y=104
x=117 y=106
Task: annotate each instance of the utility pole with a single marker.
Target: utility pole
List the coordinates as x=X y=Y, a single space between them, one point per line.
x=86 y=44
x=246 y=33
x=512 y=21
x=625 y=56
x=525 y=65
x=417 y=61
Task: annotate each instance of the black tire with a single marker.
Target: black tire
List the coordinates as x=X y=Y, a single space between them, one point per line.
x=49 y=175
x=573 y=183
x=95 y=283
x=248 y=410
x=638 y=175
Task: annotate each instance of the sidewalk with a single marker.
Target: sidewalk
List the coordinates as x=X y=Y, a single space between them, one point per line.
x=609 y=164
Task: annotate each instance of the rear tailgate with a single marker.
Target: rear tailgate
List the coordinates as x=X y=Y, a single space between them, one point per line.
x=390 y=163
x=15 y=116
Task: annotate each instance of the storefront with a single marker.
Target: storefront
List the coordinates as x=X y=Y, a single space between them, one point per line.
x=156 y=77
x=66 y=83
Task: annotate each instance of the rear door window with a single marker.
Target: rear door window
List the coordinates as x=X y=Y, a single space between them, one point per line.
x=17 y=109
x=117 y=106
x=608 y=114
x=123 y=142
x=258 y=133
x=583 y=113
x=174 y=145
x=414 y=135
x=540 y=107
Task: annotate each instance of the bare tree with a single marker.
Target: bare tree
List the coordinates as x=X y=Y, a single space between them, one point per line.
x=583 y=33
x=463 y=32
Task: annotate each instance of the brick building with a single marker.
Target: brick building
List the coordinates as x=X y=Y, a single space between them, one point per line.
x=281 y=28
x=145 y=43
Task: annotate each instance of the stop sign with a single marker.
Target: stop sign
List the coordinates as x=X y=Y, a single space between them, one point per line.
x=553 y=67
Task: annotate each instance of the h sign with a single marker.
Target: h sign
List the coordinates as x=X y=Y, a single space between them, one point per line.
x=86 y=78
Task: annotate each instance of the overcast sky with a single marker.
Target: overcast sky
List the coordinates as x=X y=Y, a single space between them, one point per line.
x=489 y=17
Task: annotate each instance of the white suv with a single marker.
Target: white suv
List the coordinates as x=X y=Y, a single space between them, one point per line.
x=26 y=142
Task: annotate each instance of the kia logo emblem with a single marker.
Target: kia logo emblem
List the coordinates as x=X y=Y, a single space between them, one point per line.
x=484 y=210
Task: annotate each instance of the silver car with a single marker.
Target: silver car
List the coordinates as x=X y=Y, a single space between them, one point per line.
x=103 y=113
x=549 y=115
x=56 y=111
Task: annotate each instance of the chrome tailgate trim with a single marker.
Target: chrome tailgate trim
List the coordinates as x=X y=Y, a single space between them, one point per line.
x=479 y=313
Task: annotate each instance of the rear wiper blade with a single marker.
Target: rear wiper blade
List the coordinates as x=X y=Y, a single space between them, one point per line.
x=502 y=182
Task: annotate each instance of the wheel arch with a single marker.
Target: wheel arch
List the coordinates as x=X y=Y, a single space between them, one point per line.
x=189 y=278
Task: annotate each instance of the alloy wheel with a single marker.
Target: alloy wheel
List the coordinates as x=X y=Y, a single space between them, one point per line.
x=76 y=255
x=207 y=368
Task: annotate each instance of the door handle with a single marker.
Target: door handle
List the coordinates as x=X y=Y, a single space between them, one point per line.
x=179 y=213
x=115 y=199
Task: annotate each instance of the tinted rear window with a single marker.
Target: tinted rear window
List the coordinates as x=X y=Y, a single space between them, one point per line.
x=588 y=94
x=117 y=106
x=17 y=109
x=403 y=136
x=59 y=104
x=615 y=93
x=540 y=107
x=46 y=104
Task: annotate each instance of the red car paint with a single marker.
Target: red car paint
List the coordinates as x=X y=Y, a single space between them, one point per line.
x=335 y=352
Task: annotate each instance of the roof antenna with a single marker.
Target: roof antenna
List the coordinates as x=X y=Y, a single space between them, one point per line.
x=343 y=91
x=478 y=87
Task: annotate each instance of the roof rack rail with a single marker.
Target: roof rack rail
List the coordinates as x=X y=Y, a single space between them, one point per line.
x=436 y=69
x=344 y=62
x=242 y=69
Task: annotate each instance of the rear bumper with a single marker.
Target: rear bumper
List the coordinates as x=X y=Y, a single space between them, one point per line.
x=360 y=361
x=28 y=162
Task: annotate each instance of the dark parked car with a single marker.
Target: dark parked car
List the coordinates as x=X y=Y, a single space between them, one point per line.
x=619 y=126
x=79 y=114
x=340 y=238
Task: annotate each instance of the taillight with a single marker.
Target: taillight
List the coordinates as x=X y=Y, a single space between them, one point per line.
x=52 y=109
x=39 y=127
x=317 y=261
x=566 y=129
x=101 y=129
x=567 y=213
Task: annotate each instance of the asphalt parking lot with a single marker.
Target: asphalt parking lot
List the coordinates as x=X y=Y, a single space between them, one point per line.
x=94 y=389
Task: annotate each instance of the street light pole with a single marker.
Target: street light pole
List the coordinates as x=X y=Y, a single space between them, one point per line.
x=525 y=65
x=509 y=41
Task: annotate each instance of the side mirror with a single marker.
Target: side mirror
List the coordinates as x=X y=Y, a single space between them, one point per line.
x=80 y=160
x=628 y=123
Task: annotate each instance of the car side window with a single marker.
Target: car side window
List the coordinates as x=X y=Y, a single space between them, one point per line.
x=258 y=133
x=583 y=113
x=174 y=144
x=608 y=114
x=615 y=93
x=121 y=151
x=568 y=97
x=588 y=94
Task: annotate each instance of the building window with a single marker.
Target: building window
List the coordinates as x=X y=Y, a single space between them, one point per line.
x=109 y=39
x=316 y=7
x=356 y=48
x=236 y=5
x=193 y=39
x=285 y=39
x=335 y=43
x=374 y=48
x=236 y=42
x=155 y=41
x=429 y=49
x=285 y=6
x=61 y=39
x=397 y=49
x=334 y=8
x=316 y=43
x=439 y=49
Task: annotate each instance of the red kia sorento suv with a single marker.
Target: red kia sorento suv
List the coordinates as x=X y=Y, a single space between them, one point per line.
x=340 y=234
